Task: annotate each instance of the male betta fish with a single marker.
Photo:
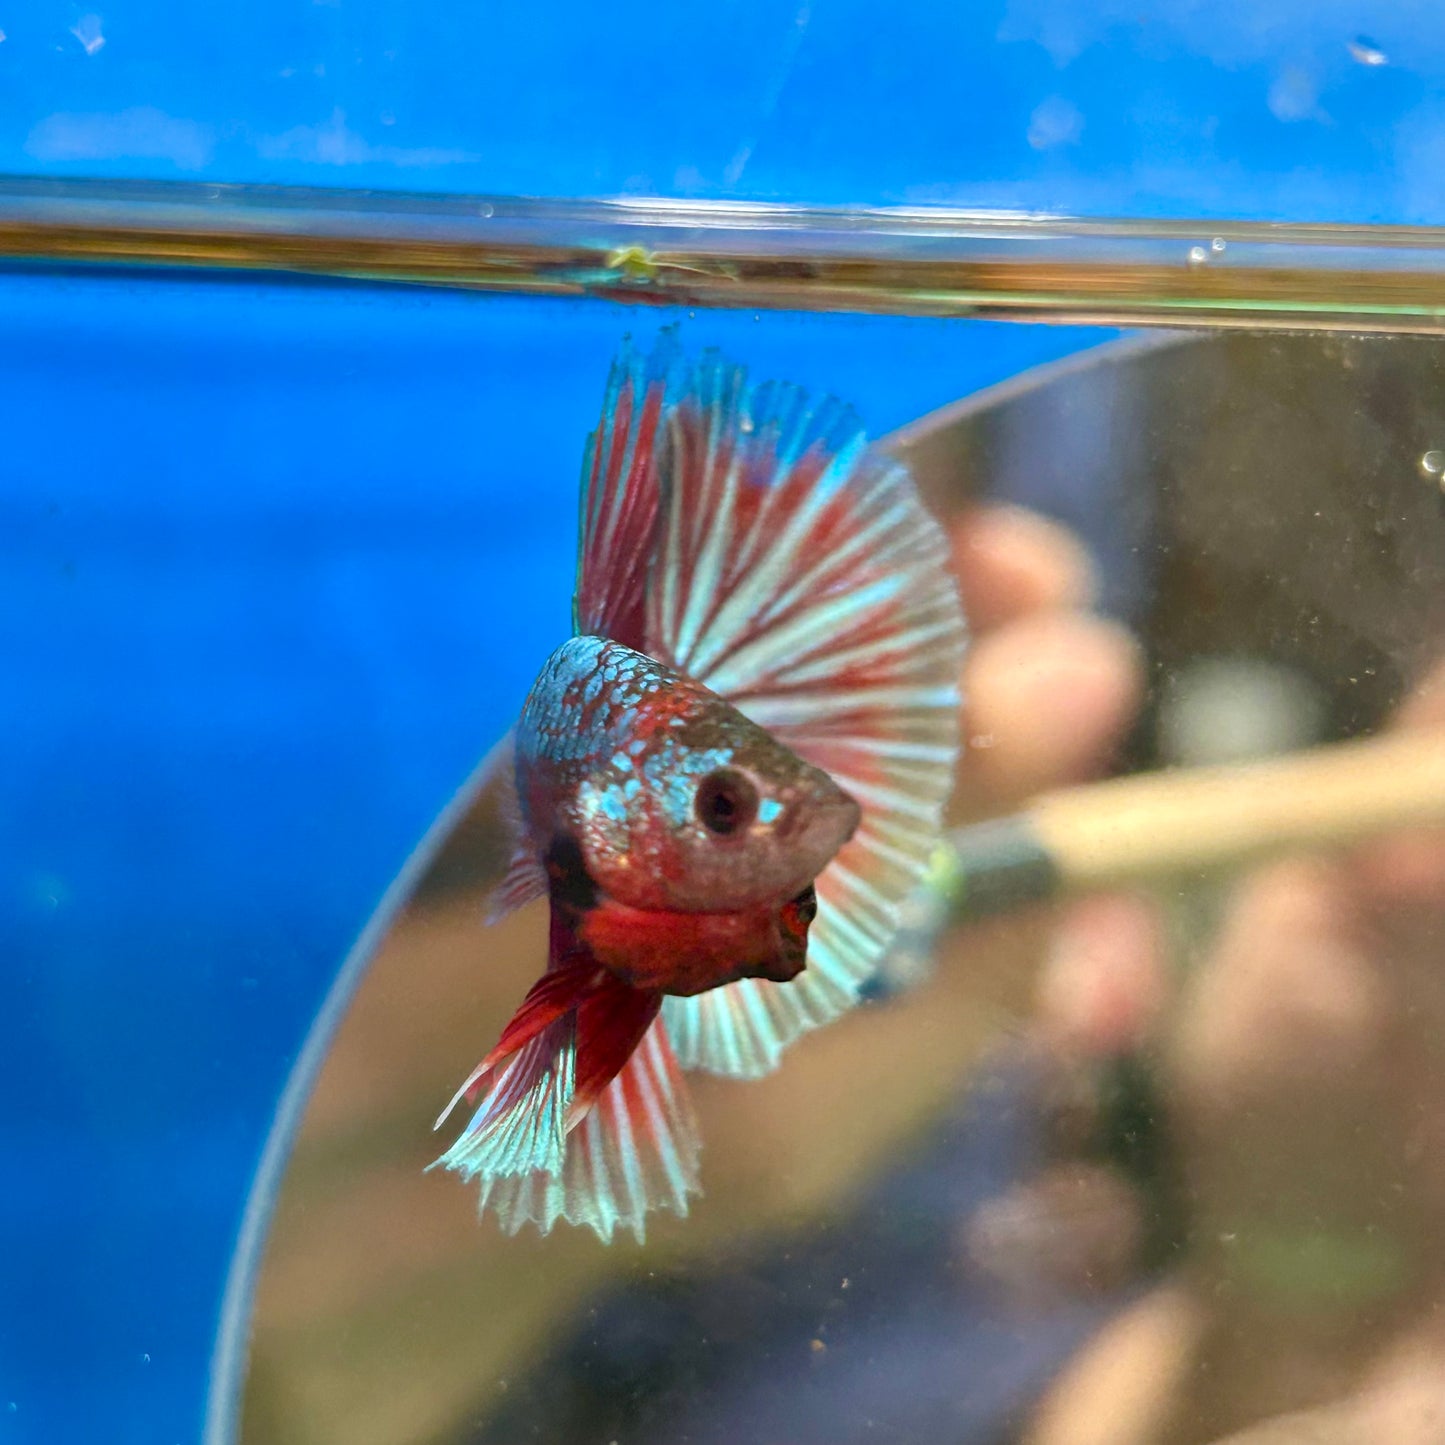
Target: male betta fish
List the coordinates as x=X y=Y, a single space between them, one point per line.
x=751 y=734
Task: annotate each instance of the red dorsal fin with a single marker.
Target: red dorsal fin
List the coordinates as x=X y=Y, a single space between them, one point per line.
x=620 y=496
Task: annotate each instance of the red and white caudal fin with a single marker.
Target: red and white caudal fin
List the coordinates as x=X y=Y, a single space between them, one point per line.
x=582 y=1112
x=798 y=574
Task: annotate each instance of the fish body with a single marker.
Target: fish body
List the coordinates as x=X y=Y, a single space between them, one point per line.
x=751 y=732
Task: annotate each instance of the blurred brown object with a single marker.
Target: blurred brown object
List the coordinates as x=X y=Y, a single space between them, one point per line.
x=1073 y=1229
x=1401 y=1401
x=1271 y=508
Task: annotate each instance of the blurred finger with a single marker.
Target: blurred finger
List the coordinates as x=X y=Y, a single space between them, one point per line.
x=1120 y=1387
x=1011 y=562
x=1075 y=1228
x=1408 y=869
x=1048 y=699
x=1405 y=869
x=1290 y=993
x=1104 y=982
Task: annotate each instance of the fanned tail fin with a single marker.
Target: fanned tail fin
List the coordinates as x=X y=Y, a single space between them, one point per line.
x=560 y=991
x=635 y=1151
x=583 y=1114
x=800 y=576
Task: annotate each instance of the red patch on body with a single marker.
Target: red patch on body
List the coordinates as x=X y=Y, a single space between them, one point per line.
x=688 y=953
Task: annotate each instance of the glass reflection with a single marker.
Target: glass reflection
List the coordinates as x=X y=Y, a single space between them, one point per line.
x=1157 y=1165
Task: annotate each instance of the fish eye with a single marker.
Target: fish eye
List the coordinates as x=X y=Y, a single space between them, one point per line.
x=726 y=802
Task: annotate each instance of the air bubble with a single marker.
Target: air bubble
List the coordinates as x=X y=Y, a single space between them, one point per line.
x=1364 y=51
x=1198 y=255
x=87 y=31
x=1432 y=464
x=1217 y=245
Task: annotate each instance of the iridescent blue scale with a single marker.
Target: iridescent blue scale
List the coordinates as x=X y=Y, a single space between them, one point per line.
x=582 y=708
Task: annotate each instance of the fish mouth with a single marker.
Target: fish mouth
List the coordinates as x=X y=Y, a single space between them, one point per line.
x=786 y=954
x=794 y=920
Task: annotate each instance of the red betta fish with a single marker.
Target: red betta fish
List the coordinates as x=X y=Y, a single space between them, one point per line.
x=755 y=724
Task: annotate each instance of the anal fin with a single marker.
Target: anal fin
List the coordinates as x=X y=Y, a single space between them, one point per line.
x=583 y=1113
x=635 y=1151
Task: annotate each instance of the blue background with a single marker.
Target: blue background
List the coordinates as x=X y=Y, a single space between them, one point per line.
x=1232 y=108
x=277 y=561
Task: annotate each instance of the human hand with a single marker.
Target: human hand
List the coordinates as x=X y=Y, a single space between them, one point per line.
x=1300 y=1063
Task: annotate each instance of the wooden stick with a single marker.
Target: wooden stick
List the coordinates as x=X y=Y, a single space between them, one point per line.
x=1179 y=823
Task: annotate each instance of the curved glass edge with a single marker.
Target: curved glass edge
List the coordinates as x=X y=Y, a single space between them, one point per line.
x=929 y=445
x=229 y=1355
x=923 y=261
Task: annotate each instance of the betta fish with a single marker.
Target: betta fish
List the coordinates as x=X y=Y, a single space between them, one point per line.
x=725 y=783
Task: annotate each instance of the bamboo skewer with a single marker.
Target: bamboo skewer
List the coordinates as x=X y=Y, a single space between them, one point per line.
x=1179 y=823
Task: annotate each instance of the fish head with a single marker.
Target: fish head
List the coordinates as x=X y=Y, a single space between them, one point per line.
x=685 y=805
x=726 y=817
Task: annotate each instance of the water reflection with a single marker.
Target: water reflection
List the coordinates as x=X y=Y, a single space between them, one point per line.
x=1148 y=1168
